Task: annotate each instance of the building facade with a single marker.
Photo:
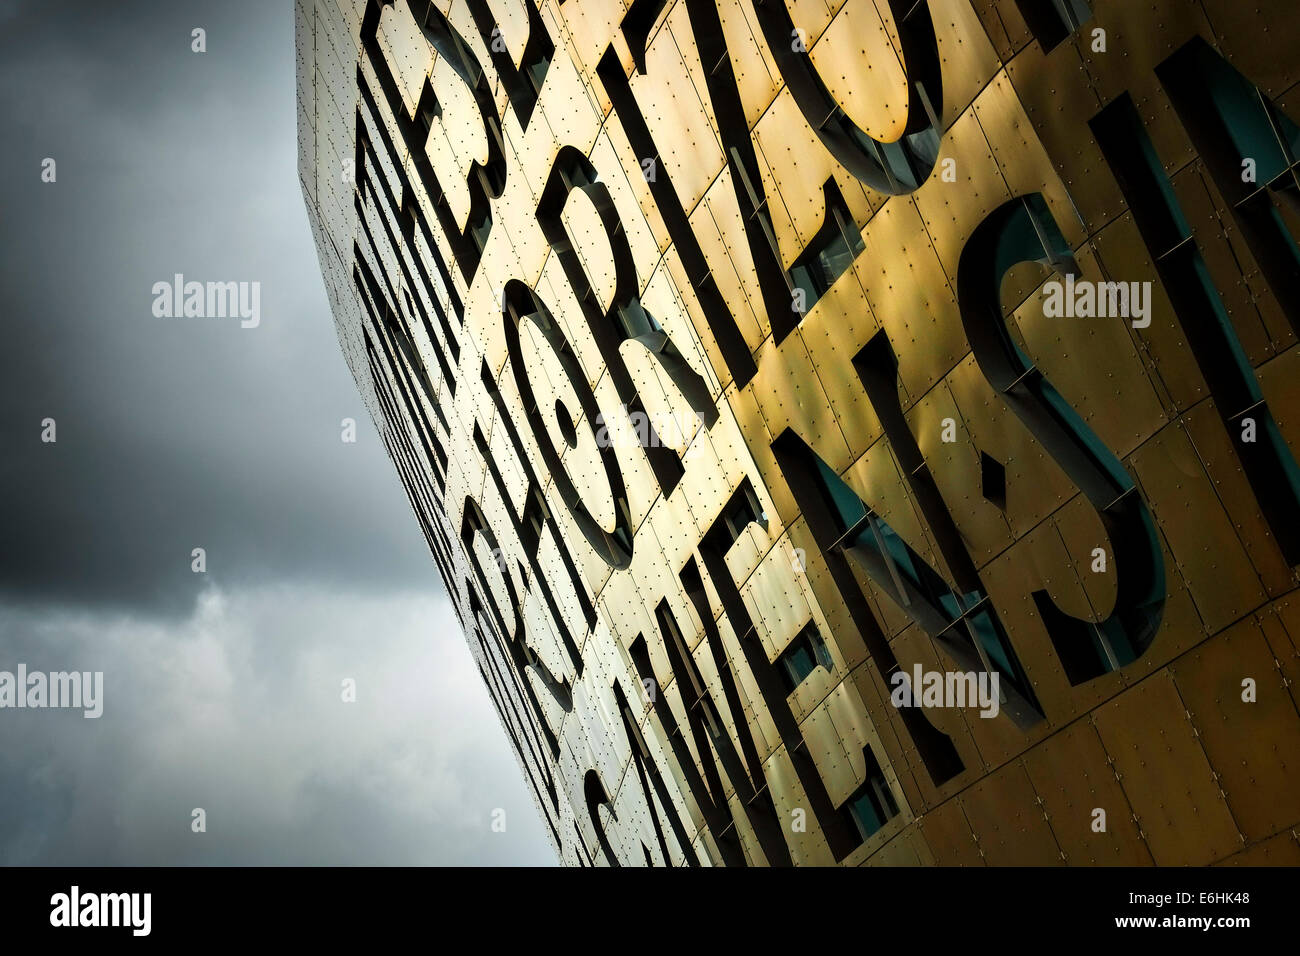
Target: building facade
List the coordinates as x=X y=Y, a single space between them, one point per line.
x=849 y=431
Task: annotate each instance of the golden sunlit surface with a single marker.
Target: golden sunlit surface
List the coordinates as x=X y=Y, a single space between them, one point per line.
x=747 y=363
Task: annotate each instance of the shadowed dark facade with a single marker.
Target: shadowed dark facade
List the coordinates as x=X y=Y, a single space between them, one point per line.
x=740 y=357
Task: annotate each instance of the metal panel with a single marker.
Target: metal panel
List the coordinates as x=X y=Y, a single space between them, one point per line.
x=797 y=165
x=967 y=52
x=720 y=232
x=790 y=395
x=1059 y=101
x=757 y=78
x=1205 y=549
x=913 y=647
x=1121 y=252
x=1280 y=850
x=833 y=332
x=1252 y=744
x=1036 y=485
x=863 y=71
x=1227 y=258
x=1082 y=532
x=950 y=837
x=910 y=295
x=1253 y=36
x=1219 y=459
x=1074 y=353
x=1073 y=780
x=955 y=466
x=1180 y=810
x=1139 y=36
x=674 y=101
x=1143 y=742
x=1004 y=810
x=952 y=210
x=1037 y=563
x=1021 y=158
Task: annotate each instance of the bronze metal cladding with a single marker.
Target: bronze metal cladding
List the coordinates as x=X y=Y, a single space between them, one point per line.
x=757 y=367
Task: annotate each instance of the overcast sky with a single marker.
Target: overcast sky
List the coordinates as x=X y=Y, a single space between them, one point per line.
x=222 y=689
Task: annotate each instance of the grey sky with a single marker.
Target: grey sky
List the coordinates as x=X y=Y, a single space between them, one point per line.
x=222 y=689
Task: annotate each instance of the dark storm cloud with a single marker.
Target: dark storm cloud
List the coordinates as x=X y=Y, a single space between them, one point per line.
x=222 y=690
x=172 y=433
x=238 y=710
